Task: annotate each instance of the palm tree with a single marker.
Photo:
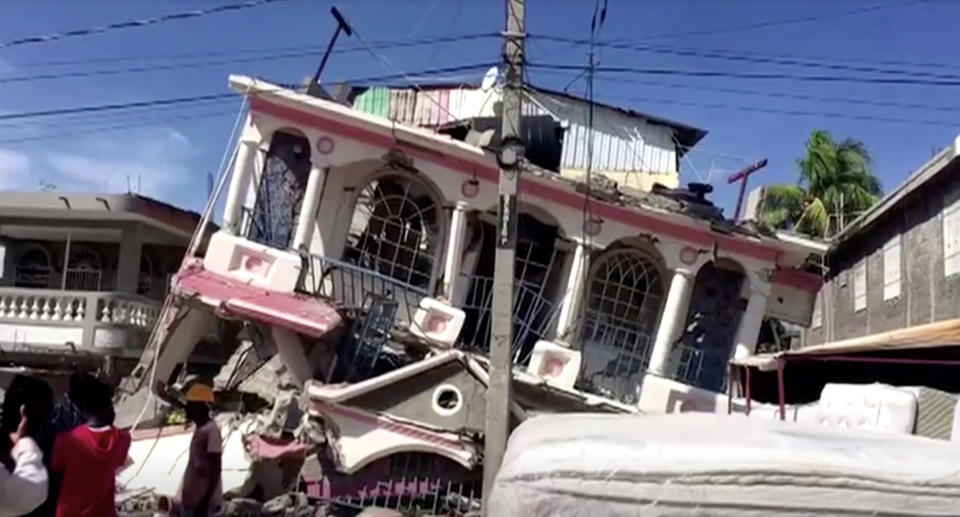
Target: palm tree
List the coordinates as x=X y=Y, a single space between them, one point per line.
x=835 y=179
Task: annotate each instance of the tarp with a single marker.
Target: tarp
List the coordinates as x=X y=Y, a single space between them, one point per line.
x=719 y=465
x=931 y=335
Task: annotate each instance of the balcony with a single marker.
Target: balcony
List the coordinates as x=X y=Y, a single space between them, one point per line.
x=54 y=321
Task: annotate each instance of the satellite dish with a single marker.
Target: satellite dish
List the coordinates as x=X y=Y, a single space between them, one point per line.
x=490 y=78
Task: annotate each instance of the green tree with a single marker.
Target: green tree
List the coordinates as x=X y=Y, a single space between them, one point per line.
x=835 y=179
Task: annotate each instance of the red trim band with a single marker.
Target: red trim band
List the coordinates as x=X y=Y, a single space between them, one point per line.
x=528 y=186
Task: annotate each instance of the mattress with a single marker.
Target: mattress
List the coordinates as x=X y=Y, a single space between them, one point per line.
x=719 y=465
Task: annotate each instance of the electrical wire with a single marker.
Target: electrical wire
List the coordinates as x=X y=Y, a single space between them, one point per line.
x=296 y=53
x=208 y=97
x=784 y=21
x=386 y=63
x=805 y=113
x=143 y=22
x=734 y=56
x=753 y=76
x=779 y=95
x=117 y=127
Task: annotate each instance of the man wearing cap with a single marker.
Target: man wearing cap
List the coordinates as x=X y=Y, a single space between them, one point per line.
x=201 y=480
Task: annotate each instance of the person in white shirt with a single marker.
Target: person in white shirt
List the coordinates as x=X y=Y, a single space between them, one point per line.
x=25 y=488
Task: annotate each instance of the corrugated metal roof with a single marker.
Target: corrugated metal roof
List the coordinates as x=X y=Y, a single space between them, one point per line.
x=623 y=141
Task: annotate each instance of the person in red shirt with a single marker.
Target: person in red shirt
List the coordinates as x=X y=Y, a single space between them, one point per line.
x=86 y=459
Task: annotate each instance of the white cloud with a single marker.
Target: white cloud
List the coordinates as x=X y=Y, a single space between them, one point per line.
x=155 y=163
x=14 y=170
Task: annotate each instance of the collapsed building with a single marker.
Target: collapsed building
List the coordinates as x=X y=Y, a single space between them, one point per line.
x=353 y=271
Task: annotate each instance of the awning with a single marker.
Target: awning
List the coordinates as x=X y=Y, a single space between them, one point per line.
x=932 y=335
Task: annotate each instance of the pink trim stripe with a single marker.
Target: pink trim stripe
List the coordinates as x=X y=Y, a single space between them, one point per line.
x=532 y=187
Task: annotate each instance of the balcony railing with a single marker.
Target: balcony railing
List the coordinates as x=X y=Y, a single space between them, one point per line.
x=50 y=318
x=349 y=285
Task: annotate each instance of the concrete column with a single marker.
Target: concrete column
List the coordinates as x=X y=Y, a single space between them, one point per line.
x=290 y=350
x=572 y=295
x=750 y=322
x=128 y=263
x=672 y=321
x=307 y=220
x=239 y=179
x=454 y=255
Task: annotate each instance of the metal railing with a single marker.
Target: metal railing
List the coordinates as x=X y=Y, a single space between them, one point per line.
x=52 y=317
x=689 y=364
x=349 y=285
x=534 y=317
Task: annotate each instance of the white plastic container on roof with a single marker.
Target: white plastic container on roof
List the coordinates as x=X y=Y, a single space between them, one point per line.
x=719 y=465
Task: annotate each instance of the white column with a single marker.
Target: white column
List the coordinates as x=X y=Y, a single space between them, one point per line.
x=573 y=294
x=454 y=255
x=239 y=179
x=307 y=220
x=750 y=322
x=671 y=323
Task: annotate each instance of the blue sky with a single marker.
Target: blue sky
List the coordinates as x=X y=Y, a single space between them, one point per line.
x=169 y=155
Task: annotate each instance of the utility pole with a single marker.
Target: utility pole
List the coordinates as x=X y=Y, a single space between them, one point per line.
x=509 y=158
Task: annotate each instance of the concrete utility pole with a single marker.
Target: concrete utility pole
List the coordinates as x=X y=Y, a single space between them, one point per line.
x=501 y=335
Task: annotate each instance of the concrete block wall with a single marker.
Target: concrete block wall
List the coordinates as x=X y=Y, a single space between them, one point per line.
x=926 y=294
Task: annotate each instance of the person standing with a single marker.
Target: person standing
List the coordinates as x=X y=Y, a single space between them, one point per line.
x=29 y=399
x=68 y=412
x=201 y=480
x=87 y=458
x=25 y=488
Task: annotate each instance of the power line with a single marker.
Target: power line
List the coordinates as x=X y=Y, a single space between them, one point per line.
x=208 y=97
x=774 y=111
x=199 y=64
x=117 y=127
x=779 y=95
x=626 y=44
x=754 y=75
x=255 y=51
x=740 y=57
x=784 y=21
x=143 y=22
x=108 y=116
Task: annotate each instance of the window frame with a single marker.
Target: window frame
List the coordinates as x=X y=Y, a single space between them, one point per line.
x=893 y=287
x=860 y=302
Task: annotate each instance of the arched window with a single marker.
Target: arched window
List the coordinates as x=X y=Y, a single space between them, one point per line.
x=395 y=229
x=280 y=192
x=83 y=270
x=623 y=306
x=33 y=268
x=145 y=278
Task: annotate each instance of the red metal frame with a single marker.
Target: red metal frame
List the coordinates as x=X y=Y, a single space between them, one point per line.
x=782 y=363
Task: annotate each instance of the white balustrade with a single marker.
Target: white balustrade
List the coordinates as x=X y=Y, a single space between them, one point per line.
x=42 y=306
x=125 y=311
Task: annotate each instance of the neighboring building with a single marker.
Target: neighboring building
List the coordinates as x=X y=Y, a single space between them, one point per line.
x=82 y=276
x=898 y=264
x=634 y=149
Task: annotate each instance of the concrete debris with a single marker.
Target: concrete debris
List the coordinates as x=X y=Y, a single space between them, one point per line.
x=285 y=416
x=288 y=505
x=241 y=507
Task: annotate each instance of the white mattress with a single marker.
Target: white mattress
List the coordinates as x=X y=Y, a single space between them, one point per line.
x=719 y=465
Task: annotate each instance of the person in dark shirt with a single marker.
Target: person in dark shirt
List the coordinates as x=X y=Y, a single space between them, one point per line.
x=201 y=480
x=68 y=413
